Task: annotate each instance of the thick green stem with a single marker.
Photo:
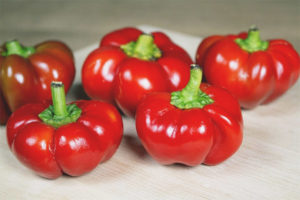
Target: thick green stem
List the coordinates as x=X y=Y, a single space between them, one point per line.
x=15 y=48
x=144 y=48
x=59 y=99
x=253 y=42
x=191 y=96
x=59 y=113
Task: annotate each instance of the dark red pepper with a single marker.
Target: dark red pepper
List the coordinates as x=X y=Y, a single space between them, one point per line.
x=191 y=126
x=57 y=139
x=129 y=64
x=26 y=73
x=255 y=71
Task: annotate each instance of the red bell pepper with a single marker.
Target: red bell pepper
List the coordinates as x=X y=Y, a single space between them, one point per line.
x=71 y=139
x=27 y=72
x=191 y=126
x=129 y=64
x=255 y=71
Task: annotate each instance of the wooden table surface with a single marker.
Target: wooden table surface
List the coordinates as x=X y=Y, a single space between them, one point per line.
x=267 y=166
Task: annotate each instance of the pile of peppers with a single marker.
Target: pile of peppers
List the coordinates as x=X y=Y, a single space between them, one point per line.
x=179 y=118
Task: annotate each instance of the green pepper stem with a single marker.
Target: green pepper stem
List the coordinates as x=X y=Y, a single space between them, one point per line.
x=191 y=96
x=192 y=88
x=59 y=99
x=15 y=48
x=144 y=48
x=253 y=42
x=59 y=113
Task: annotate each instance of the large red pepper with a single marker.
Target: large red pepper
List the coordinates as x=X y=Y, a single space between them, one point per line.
x=27 y=72
x=129 y=64
x=70 y=139
x=191 y=126
x=255 y=71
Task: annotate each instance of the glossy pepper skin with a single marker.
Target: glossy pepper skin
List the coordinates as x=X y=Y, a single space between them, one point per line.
x=255 y=71
x=26 y=73
x=191 y=126
x=89 y=134
x=129 y=64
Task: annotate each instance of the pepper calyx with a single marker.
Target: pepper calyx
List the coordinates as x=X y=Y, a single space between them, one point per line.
x=191 y=96
x=15 y=48
x=59 y=113
x=253 y=42
x=143 y=48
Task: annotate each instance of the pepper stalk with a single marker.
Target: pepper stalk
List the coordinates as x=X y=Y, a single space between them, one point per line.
x=253 y=42
x=15 y=48
x=191 y=96
x=144 y=48
x=59 y=113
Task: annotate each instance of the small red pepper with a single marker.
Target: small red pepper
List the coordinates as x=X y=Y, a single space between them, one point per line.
x=129 y=64
x=26 y=73
x=191 y=126
x=255 y=71
x=71 y=139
